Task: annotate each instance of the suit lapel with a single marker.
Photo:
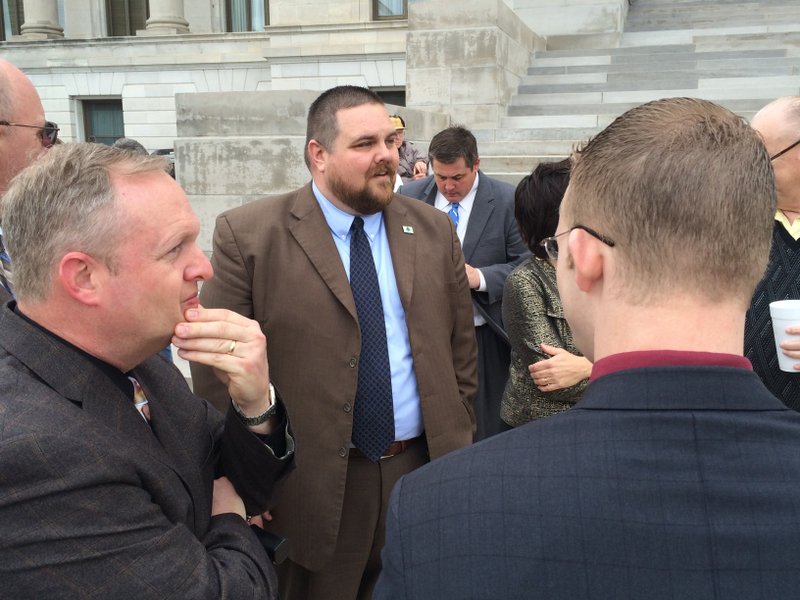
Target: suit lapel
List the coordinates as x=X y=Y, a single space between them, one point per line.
x=172 y=438
x=77 y=379
x=429 y=194
x=482 y=209
x=403 y=245
x=314 y=236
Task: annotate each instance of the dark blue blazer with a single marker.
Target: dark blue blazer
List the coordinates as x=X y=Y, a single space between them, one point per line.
x=662 y=482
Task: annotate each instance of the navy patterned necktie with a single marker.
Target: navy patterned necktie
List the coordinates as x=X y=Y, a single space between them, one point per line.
x=373 y=415
x=5 y=268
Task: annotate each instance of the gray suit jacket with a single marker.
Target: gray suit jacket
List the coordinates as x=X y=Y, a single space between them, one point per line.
x=492 y=242
x=93 y=502
x=661 y=483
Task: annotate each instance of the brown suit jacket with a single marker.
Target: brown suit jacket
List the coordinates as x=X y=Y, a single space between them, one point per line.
x=275 y=261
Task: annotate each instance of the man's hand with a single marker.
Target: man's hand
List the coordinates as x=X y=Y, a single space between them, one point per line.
x=420 y=170
x=791 y=348
x=473 y=276
x=225 y=499
x=560 y=371
x=232 y=345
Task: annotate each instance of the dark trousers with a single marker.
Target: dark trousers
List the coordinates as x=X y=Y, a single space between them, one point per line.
x=494 y=357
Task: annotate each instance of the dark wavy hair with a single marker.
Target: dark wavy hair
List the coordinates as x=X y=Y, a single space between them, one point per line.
x=537 y=200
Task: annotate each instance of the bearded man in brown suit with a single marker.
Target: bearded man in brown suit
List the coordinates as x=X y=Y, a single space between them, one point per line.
x=289 y=263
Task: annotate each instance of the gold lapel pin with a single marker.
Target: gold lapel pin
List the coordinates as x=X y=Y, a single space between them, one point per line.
x=408 y=229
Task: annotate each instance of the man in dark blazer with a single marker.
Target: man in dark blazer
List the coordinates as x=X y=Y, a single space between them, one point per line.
x=286 y=262
x=678 y=474
x=482 y=210
x=116 y=481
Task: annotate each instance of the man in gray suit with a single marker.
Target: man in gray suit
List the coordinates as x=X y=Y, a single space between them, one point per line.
x=482 y=210
x=24 y=135
x=115 y=480
x=677 y=475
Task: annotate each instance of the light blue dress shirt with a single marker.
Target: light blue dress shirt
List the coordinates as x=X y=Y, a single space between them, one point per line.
x=405 y=394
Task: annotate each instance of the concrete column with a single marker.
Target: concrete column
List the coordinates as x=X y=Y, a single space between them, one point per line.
x=466 y=62
x=41 y=20
x=166 y=18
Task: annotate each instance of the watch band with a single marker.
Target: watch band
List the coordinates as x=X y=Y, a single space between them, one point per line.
x=263 y=417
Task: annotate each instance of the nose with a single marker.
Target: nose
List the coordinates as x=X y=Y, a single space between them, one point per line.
x=199 y=268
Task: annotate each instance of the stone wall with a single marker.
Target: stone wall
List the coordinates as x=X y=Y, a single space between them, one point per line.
x=466 y=62
x=235 y=147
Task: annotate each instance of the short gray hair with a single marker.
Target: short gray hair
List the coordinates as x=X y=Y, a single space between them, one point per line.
x=65 y=202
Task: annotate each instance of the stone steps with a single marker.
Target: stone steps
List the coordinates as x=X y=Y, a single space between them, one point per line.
x=652 y=15
x=737 y=53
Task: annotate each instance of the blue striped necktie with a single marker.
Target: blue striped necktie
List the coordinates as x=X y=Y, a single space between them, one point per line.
x=453 y=212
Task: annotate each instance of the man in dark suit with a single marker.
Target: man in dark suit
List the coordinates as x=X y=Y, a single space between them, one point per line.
x=24 y=135
x=482 y=210
x=118 y=482
x=678 y=473
x=778 y=123
x=295 y=263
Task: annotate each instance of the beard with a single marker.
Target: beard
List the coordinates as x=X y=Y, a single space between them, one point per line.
x=372 y=197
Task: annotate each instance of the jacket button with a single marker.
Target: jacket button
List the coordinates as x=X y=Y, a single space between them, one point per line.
x=353 y=362
x=347 y=407
x=343 y=452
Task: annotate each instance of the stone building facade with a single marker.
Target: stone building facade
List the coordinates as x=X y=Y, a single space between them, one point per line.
x=226 y=83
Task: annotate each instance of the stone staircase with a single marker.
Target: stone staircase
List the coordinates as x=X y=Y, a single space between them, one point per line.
x=737 y=53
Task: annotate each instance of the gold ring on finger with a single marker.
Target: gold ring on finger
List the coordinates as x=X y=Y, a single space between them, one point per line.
x=232 y=347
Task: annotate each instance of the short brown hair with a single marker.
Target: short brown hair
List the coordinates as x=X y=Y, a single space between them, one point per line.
x=686 y=190
x=322 y=125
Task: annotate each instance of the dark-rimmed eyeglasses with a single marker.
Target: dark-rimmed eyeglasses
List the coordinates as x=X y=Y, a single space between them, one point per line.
x=48 y=133
x=784 y=151
x=550 y=244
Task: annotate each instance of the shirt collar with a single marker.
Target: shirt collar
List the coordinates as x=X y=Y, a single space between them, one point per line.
x=666 y=358
x=339 y=221
x=792 y=228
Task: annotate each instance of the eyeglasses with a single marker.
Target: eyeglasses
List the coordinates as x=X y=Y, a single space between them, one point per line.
x=784 y=151
x=48 y=133
x=550 y=244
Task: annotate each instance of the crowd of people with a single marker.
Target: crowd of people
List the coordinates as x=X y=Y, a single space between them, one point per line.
x=457 y=389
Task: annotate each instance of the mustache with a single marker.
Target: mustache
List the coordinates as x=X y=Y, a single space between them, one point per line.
x=383 y=168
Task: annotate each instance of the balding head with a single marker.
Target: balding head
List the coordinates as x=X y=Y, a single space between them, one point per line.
x=19 y=103
x=778 y=123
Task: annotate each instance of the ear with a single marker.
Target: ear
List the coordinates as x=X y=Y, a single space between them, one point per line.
x=586 y=256
x=317 y=155
x=80 y=277
x=477 y=165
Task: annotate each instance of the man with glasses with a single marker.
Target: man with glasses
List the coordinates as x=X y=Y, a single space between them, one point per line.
x=24 y=135
x=677 y=475
x=778 y=123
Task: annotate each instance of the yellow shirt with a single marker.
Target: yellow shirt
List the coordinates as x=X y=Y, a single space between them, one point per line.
x=792 y=228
